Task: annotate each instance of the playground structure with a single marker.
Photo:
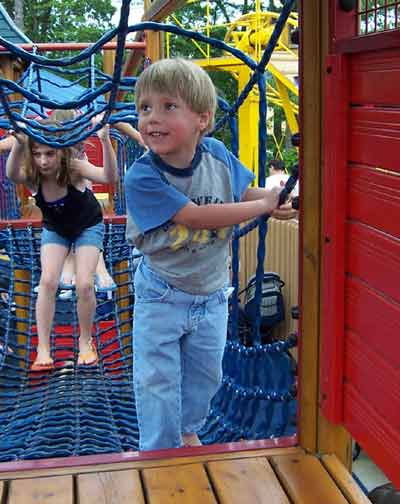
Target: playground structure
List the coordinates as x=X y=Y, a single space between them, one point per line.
x=114 y=316
x=250 y=34
x=336 y=396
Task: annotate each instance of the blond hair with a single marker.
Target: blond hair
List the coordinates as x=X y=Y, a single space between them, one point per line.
x=182 y=78
x=64 y=173
x=65 y=115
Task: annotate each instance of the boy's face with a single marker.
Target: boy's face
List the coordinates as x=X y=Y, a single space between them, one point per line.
x=170 y=128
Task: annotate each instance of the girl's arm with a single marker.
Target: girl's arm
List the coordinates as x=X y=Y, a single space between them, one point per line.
x=108 y=174
x=15 y=161
x=227 y=214
x=130 y=131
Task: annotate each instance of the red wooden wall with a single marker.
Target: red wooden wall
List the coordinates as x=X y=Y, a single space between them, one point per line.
x=360 y=368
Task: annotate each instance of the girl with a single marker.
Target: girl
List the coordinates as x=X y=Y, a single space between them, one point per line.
x=103 y=280
x=72 y=217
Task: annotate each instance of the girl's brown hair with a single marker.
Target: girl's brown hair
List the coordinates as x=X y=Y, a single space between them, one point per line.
x=64 y=174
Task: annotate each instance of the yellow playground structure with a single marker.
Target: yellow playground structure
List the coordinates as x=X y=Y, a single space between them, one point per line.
x=250 y=34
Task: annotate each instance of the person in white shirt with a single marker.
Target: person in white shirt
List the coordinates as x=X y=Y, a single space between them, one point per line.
x=278 y=178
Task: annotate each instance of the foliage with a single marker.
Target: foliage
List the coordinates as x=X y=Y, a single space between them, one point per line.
x=193 y=17
x=290 y=157
x=65 y=20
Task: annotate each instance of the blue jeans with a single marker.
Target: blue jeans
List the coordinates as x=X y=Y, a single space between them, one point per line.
x=178 y=345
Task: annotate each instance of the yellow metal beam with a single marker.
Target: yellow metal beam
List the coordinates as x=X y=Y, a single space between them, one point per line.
x=248 y=124
x=287 y=107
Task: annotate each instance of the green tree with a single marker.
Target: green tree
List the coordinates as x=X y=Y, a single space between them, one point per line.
x=65 y=20
x=222 y=12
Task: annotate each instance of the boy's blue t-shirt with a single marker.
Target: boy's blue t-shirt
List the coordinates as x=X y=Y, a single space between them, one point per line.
x=195 y=261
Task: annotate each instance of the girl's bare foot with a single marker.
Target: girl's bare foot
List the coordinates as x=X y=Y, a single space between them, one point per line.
x=43 y=361
x=87 y=353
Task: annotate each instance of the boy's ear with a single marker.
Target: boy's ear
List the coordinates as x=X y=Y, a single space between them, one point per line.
x=205 y=118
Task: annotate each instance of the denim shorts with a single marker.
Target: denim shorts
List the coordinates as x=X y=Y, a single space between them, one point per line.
x=93 y=235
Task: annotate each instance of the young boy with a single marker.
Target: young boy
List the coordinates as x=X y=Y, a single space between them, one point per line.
x=183 y=197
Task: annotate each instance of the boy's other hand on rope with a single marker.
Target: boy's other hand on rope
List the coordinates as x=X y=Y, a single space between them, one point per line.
x=271 y=199
x=285 y=212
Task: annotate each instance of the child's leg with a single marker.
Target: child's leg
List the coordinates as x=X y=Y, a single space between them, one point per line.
x=87 y=250
x=52 y=258
x=104 y=279
x=157 y=377
x=86 y=258
x=68 y=271
x=202 y=353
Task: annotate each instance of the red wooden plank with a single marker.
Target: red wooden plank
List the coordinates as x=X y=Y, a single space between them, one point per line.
x=373 y=377
x=334 y=211
x=374 y=199
x=375 y=137
x=376 y=436
x=342 y=25
x=375 y=318
x=374 y=257
x=373 y=75
x=372 y=42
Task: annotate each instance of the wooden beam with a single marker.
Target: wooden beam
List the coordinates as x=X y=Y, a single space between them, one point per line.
x=344 y=481
x=160 y=9
x=316 y=434
x=310 y=224
x=154 y=11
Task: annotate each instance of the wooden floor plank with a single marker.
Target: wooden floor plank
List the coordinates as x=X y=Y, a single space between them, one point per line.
x=53 y=490
x=178 y=485
x=246 y=481
x=121 y=465
x=117 y=487
x=294 y=477
x=306 y=481
x=344 y=480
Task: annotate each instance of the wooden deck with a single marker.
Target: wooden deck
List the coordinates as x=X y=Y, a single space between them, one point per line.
x=270 y=476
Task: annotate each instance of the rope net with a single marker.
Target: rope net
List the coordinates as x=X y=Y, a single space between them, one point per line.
x=77 y=410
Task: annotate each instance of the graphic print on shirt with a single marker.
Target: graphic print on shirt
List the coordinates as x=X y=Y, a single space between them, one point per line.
x=193 y=240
